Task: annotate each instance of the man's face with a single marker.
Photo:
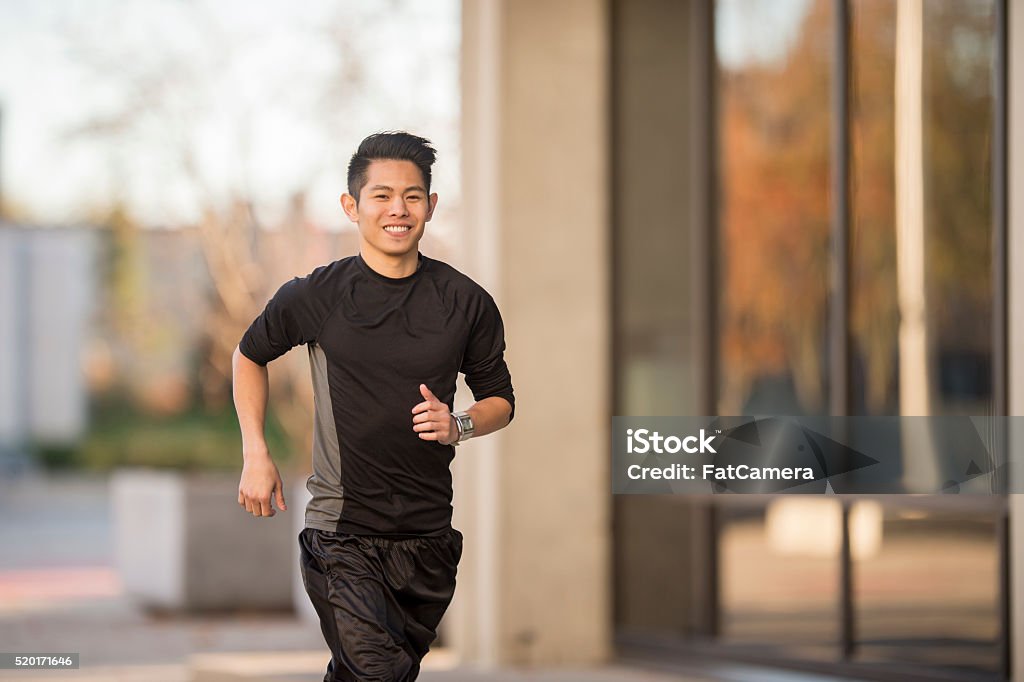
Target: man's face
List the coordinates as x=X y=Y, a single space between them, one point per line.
x=393 y=208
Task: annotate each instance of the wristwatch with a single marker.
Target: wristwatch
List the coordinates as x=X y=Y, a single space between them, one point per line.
x=464 y=423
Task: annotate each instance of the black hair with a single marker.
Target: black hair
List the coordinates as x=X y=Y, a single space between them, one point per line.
x=395 y=146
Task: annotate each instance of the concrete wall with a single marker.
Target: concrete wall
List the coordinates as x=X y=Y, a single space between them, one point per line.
x=535 y=503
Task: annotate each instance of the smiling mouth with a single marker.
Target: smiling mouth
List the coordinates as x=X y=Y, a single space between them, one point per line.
x=397 y=229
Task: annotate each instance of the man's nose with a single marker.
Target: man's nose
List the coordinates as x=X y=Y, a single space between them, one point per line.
x=398 y=206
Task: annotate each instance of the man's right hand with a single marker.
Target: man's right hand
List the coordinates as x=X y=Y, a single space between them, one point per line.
x=260 y=482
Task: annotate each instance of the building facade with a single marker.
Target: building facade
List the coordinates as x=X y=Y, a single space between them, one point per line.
x=678 y=215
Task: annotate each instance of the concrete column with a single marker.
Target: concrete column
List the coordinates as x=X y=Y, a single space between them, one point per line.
x=1015 y=313
x=535 y=500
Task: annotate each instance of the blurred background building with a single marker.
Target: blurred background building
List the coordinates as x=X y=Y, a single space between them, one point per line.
x=751 y=207
x=730 y=207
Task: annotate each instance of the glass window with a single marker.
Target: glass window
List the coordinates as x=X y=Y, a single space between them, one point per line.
x=921 y=308
x=780 y=576
x=921 y=229
x=921 y=303
x=920 y=320
x=774 y=65
x=652 y=161
x=928 y=593
x=654 y=329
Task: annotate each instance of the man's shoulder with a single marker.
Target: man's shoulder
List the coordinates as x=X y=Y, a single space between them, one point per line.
x=462 y=282
x=319 y=285
x=325 y=277
x=330 y=271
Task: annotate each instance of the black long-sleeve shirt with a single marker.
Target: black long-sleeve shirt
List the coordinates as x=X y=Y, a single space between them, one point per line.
x=372 y=341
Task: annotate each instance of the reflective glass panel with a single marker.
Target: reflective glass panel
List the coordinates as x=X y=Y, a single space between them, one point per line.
x=921 y=231
x=774 y=63
x=927 y=591
x=779 y=573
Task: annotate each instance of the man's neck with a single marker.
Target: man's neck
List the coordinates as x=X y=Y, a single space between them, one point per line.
x=394 y=267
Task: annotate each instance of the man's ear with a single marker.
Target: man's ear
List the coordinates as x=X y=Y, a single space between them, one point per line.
x=433 y=204
x=348 y=204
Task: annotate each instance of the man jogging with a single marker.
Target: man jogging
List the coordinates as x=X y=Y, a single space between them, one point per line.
x=388 y=331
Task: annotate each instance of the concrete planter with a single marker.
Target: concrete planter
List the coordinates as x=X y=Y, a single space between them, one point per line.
x=183 y=543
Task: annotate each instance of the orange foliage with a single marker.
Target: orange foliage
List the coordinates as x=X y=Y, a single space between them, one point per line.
x=776 y=206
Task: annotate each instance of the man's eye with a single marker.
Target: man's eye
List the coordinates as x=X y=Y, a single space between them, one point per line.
x=414 y=198
x=380 y=196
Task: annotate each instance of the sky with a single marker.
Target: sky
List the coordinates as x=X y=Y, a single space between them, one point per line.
x=756 y=30
x=166 y=106
x=169 y=105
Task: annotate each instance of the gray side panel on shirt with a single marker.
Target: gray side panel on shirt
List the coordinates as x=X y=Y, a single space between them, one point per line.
x=324 y=510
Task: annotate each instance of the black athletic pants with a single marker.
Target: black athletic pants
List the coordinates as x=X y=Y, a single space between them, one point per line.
x=379 y=599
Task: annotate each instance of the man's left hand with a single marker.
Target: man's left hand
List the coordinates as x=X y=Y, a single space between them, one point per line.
x=432 y=419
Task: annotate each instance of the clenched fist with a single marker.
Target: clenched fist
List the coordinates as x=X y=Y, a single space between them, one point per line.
x=432 y=419
x=260 y=482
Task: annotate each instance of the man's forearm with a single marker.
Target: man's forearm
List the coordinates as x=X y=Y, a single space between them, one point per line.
x=250 y=387
x=489 y=415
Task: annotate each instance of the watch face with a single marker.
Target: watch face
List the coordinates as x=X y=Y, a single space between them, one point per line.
x=466 y=422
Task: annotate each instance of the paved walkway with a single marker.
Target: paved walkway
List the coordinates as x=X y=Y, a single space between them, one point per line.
x=60 y=593
x=308 y=667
